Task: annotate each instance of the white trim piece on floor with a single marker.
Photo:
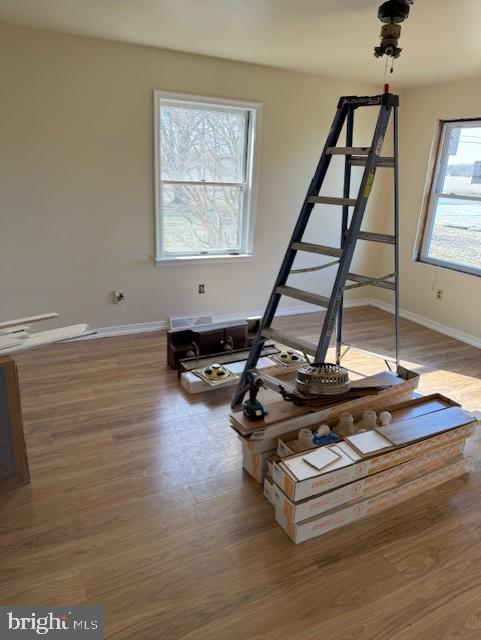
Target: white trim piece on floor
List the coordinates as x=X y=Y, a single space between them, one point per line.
x=474 y=341
x=127 y=329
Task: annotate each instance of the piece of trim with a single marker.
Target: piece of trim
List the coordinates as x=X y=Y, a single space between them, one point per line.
x=127 y=329
x=19 y=321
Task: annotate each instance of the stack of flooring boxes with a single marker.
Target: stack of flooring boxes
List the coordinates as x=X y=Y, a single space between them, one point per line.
x=323 y=488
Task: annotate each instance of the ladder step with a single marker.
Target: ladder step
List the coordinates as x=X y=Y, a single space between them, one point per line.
x=368 y=280
x=348 y=151
x=305 y=296
x=317 y=248
x=357 y=161
x=377 y=237
x=345 y=202
x=290 y=341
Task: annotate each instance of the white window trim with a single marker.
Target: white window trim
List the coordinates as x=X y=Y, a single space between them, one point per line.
x=439 y=154
x=250 y=193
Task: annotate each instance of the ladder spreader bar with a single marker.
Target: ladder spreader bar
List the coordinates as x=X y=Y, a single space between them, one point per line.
x=374 y=282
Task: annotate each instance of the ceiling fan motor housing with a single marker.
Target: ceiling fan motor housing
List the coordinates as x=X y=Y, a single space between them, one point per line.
x=391 y=13
x=394 y=11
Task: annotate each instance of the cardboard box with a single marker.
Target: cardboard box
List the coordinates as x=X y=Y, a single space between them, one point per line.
x=325 y=481
x=256 y=463
x=335 y=518
x=269 y=488
x=370 y=486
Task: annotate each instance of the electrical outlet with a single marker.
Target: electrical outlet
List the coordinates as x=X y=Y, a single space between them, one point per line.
x=201 y=288
x=118 y=296
x=439 y=294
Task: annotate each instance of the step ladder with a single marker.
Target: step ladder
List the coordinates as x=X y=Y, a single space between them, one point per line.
x=370 y=159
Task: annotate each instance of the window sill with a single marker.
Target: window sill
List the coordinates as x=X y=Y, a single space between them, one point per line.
x=242 y=257
x=450 y=266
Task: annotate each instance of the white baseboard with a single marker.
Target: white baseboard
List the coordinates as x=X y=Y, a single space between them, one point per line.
x=427 y=322
x=148 y=327
x=158 y=325
x=127 y=329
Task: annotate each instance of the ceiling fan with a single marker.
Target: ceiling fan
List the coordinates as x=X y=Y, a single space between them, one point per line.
x=392 y=13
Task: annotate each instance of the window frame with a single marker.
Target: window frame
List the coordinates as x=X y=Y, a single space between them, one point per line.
x=253 y=111
x=438 y=162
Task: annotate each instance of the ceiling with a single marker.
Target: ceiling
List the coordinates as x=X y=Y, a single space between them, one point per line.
x=333 y=38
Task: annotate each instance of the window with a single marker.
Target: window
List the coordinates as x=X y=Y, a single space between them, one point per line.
x=204 y=176
x=452 y=230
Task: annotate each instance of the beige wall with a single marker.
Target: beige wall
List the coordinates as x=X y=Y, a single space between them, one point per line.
x=76 y=178
x=420 y=111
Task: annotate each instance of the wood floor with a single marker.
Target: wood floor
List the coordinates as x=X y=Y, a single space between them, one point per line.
x=138 y=503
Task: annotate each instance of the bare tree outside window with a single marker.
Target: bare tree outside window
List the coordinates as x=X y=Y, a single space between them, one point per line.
x=205 y=177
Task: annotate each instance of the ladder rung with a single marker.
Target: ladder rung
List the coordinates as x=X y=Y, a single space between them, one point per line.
x=368 y=280
x=348 y=151
x=345 y=202
x=290 y=341
x=361 y=162
x=377 y=237
x=304 y=296
x=317 y=248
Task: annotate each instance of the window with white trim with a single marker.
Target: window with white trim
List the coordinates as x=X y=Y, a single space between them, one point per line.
x=451 y=236
x=204 y=176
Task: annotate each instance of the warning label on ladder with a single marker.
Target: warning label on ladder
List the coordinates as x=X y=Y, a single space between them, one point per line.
x=368 y=187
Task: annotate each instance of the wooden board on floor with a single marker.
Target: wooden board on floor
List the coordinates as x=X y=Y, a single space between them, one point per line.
x=425 y=426
x=429 y=406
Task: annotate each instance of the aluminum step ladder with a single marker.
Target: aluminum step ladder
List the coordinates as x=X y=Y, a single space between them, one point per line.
x=370 y=159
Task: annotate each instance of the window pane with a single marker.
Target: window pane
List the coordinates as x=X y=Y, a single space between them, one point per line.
x=202 y=144
x=456 y=233
x=463 y=171
x=201 y=218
